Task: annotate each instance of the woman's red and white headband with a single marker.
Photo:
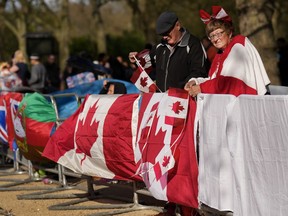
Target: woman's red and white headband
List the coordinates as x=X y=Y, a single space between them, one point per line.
x=217 y=13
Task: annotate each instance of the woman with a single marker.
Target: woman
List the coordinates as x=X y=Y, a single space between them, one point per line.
x=237 y=68
x=8 y=79
x=20 y=67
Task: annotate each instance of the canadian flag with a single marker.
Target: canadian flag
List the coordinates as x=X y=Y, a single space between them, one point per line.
x=164 y=149
x=97 y=139
x=142 y=81
x=145 y=60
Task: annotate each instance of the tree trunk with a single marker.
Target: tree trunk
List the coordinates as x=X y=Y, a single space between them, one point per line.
x=22 y=30
x=255 y=22
x=18 y=25
x=100 y=34
x=62 y=36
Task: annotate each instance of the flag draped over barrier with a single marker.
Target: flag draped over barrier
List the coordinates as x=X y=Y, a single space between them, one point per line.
x=165 y=147
x=243 y=153
x=34 y=122
x=12 y=101
x=98 y=139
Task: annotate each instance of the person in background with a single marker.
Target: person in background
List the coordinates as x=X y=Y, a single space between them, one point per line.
x=282 y=56
x=9 y=81
x=38 y=74
x=178 y=57
x=20 y=67
x=210 y=49
x=113 y=88
x=237 y=68
x=53 y=73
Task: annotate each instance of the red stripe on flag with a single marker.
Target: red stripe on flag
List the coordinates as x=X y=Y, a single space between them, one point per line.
x=183 y=178
x=180 y=93
x=153 y=88
x=135 y=75
x=62 y=140
x=38 y=133
x=118 y=140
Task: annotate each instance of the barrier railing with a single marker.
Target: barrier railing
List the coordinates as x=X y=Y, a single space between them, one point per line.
x=62 y=172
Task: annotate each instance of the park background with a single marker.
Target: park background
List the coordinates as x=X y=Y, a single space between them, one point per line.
x=116 y=27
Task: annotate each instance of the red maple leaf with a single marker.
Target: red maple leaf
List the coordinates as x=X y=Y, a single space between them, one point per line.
x=143 y=81
x=166 y=161
x=177 y=107
x=86 y=133
x=155 y=138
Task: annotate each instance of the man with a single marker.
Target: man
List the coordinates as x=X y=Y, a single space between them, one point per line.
x=38 y=74
x=180 y=55
x=53 y=73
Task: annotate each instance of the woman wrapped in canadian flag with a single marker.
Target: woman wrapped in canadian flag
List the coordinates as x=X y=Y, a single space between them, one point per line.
x=237 y=67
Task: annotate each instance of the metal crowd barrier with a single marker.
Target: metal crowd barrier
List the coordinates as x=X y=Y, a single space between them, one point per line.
x=62 y=172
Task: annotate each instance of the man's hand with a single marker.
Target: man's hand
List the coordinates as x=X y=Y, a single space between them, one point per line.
x=132 y=57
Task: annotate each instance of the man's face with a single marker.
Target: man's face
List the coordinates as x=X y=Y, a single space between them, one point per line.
x=32 y=61
x=51 y=59
x=173 y=36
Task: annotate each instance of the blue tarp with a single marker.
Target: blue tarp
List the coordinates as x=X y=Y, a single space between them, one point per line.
x=68 y=105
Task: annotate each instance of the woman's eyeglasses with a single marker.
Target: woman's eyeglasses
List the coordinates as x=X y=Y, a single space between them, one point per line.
x=216 y=35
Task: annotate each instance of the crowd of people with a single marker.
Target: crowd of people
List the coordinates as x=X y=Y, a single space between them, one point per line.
x=42 y=73
x=19 y=75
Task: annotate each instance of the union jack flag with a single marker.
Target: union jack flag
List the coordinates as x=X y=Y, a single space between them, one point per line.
x=3 y=125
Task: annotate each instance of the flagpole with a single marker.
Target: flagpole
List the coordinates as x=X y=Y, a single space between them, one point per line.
x=139 y=65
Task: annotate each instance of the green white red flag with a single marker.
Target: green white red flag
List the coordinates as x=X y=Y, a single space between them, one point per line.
x=34 y=123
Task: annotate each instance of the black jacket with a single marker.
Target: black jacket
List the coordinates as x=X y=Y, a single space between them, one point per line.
x=175 y=69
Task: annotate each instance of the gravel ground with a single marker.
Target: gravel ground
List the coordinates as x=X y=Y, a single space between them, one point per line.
x=12 y=202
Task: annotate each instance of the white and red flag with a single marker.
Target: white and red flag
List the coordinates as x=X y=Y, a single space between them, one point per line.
x=142 y=81
x=164 y=149
x=97 y=140
x=145 y=60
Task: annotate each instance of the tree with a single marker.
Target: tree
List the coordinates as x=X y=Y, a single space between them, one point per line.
x=98 y=21
x=15 y=16
x=54 y=17
x=255 y=22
